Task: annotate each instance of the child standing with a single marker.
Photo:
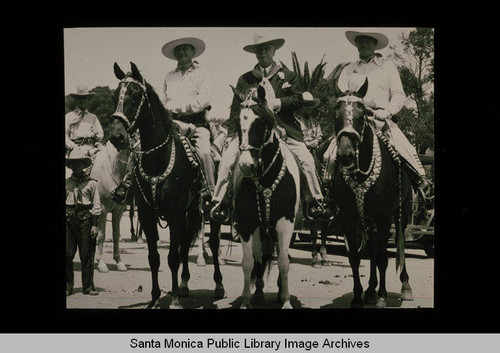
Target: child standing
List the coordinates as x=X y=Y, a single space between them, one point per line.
x=83 y=208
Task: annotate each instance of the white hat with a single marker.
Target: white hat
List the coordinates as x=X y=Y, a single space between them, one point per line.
x=382 y=40
x=81 y=91
x=78 y=153
x=196 y=43
x=261 y=39
x=309 y=100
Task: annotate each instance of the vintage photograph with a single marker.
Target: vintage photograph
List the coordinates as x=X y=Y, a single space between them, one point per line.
x=249 y=167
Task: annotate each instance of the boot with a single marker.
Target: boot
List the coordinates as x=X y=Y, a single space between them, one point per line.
x=425 y=189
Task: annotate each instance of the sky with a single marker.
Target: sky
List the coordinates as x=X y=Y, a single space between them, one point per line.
x=90 y=52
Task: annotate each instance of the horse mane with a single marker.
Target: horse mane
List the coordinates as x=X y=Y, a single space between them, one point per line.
x=159 y=109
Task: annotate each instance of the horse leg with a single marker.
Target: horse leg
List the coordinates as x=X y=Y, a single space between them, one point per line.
x=133 y=235
x=214 y=243
x=247 y=265
x=259 y=267
x=371 y=293
x=154 y=265
x=184 y=258
x=101 y=266
x=322 y=250
x=406 y=291
x=200 y=259
x=354 y=261
x=284 y=230
x=116 y=218
x=382 y=236
x=316 y=261
x=174 y=263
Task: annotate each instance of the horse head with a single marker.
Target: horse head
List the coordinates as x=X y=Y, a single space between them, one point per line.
x=130 y=96
x=256 y=130
x=350 y=122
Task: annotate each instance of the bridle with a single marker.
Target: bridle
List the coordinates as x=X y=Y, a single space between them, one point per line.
x=268 y=135
x=349 y=129
x=152 y=180
x=265 y=192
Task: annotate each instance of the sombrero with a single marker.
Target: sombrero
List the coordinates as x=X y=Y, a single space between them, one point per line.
x=198 y=45
x=382 y=40
x=309 y=100
x=82 y=91
x=261 y=39
x=77 y=154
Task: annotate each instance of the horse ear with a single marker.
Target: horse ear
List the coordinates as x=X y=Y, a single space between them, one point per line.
x=118 y=72
x=362 y=90
x=235 y=91
x=135 y=72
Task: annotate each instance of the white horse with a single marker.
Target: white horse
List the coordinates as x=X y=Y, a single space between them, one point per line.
x=109 y=167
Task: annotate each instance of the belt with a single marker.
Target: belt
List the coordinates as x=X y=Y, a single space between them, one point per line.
x=84 y=141
x=197 y=119
x=80 y=207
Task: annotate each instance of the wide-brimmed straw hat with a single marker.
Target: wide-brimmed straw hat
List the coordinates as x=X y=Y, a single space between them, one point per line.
x=309 y=100
x=382 y=40
x=198 y=45
x=82 y=91
x=261 y=39
x=78 y=154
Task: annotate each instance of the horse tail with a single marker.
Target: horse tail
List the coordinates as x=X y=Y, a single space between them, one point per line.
x=400 y=236
x=400 y=247
x=269 y=239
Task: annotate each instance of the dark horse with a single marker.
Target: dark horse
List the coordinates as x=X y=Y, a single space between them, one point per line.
x=266 y=200
x=167 y=184
x=371 y=191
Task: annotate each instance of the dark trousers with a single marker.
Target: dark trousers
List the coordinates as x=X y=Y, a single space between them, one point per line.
x=78 y=236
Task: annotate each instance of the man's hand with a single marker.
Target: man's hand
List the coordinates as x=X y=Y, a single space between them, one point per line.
x=94 y=232
x=381 y=114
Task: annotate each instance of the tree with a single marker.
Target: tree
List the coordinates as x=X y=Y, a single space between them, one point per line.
x=416 y=68
x=320 y=88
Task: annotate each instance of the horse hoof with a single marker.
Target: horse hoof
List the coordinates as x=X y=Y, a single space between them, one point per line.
x=406 y=292
x=258 y=298
x=175 y=305
x=357 y=303
x=370 y=298
x=219 y=291
x=140 y=241
x=120 y=266
x=246 y=306
x=101 y=267
x=222 y=261
x=316 y=262
x=381 y=302
x=287 y=305
x=407 y=295
x=154 y=304
x=183 y=292
x=200 y=261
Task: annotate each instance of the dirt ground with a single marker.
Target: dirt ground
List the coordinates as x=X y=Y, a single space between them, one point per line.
x=328 y=287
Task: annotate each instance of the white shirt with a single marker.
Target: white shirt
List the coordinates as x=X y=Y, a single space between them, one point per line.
x=82 y=124
x=385 y=89
x=188 y=93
